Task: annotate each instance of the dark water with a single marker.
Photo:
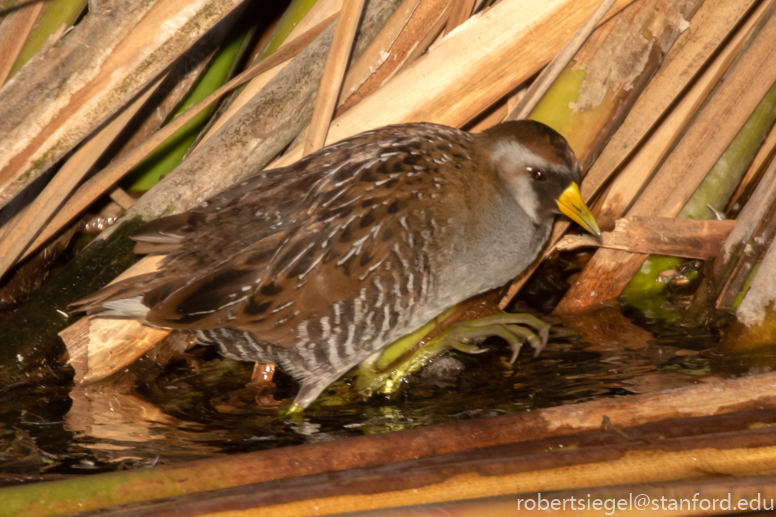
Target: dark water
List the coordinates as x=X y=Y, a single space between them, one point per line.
x=199 y=407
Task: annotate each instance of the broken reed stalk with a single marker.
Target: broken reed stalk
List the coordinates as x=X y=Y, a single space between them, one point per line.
x=605 y=276
x=97 y=351
x=101 y=182
x=334 y=73
x=121 y=198
x=551 y=72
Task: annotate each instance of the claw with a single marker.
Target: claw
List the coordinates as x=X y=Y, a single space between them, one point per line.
x=544 y=335
x=515 y=352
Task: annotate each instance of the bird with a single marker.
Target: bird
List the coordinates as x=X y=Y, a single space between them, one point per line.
x=319 y=265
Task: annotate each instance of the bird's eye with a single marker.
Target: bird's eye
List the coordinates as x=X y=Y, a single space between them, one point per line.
x=537 y=175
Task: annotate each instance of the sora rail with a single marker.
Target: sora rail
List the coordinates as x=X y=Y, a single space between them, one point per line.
x=319 y=265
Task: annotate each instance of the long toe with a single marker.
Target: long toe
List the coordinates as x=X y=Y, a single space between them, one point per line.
x=537 y=341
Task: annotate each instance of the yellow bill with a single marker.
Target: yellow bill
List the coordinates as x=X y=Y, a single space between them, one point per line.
x=571 y=205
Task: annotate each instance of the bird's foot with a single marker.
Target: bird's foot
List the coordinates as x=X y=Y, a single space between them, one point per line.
x=261 y=382
x=515 y=329
x=464 y=336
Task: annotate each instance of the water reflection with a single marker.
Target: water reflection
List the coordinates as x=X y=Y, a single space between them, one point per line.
x=199 y=405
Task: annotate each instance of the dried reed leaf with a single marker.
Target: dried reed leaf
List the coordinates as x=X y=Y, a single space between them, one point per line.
x=333 y=75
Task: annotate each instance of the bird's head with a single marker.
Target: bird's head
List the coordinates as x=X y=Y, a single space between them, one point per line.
x=540 y=170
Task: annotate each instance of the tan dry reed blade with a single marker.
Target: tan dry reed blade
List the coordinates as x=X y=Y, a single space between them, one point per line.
x=383 y=55
x=551 y=72
x=333 y=75
x=428 y=38
x=106 y=178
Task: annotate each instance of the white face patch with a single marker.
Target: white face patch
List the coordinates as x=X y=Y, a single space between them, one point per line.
x=512 y=161
x=523 y=192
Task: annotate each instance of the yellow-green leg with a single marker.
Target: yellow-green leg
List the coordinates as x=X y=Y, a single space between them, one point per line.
x=375 y=376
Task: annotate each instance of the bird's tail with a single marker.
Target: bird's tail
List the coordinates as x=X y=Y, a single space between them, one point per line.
x=123 y=299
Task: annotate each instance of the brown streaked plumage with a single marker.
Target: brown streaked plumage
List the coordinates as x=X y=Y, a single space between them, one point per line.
x=319 y=265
